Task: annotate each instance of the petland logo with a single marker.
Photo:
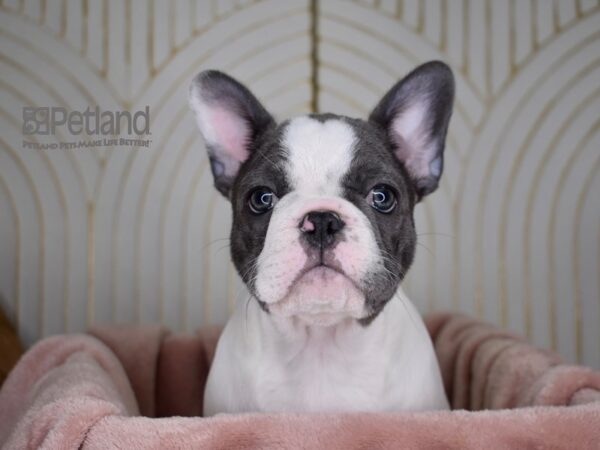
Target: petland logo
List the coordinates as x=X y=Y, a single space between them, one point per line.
x=50 y=121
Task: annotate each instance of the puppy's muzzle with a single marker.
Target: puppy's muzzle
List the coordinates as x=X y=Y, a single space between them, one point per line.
x=321 y=228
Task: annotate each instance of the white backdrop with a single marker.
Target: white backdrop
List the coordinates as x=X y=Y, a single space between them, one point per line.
x=138 y=234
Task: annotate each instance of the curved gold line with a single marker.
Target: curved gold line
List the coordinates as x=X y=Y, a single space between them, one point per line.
x=443 y=45
x=164 y=202
x=42 y=17
x=533 y=130
x=465 y=40
x=555 y=19
x=575 y=248
x=399 y=10
x=527 y=224
x=393 y=44
x=54 y=175
x=140 y=207
x=52 y=93
x=62 y=199
x=393 y=72
x=193 y=65
x=421 y=19
x=512 y=46
x=115 y=227
x=260 y=50
x=594 y=129
x=39 y=210
x=63 y=19
x=487 y=35
x=149 y=48
x=268 y=70
x=536 y=47
x=295 y=84
x=534 y=28
x=84 y=29
x=91 y=258
x=494 y=153
x=17 y=223
x=550 y=36
x=185 y=226
x=366 y=82
x=315 y=58
x=304 y=107
x=59 y=68
x=192 y=16
x=127 y=49
x=171 y=30
x=176 y=83
x=345 y=98
x=105 y=31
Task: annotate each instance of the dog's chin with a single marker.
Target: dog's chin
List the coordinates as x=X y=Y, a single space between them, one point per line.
x=321 y=296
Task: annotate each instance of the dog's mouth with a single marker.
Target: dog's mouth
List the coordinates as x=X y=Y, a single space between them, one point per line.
x=322 y=268
x=321 y=273
x=321 y=294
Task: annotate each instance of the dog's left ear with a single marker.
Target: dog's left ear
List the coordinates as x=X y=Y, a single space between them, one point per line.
x=415 y=114
x=230 y=119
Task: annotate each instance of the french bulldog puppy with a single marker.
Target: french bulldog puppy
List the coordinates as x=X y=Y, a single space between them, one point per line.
x=323 y=234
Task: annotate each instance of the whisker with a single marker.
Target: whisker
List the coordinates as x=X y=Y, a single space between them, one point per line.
x=261 y=154
x=426 y=248
x=221 y=249
x=436 y=234
x=213 y=242
x=408 y=311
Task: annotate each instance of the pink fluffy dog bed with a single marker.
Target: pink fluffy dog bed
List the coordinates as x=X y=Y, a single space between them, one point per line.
x=134 y=387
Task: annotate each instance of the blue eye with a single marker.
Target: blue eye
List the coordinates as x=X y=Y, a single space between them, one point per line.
x=382 y=198
x=262 y=199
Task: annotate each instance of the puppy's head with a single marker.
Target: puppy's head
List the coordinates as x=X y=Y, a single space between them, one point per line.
x=322 y=204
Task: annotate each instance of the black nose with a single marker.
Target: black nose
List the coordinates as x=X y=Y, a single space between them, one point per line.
x=321 y=227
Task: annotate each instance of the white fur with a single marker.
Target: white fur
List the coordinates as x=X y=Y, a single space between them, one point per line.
x=270 y=364
x=319 y=154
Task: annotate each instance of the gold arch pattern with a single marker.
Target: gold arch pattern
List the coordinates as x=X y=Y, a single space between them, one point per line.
x=138 y=234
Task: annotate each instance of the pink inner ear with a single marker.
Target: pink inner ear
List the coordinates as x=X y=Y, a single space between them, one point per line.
x=415 y=148
x=231 y=133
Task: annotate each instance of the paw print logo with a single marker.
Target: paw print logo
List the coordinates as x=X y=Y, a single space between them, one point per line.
x=36 y=120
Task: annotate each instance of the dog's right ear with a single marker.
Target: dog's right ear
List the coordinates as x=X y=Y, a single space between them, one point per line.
x=230 y=119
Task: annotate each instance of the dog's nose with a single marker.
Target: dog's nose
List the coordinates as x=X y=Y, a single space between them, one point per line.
x=321 y=227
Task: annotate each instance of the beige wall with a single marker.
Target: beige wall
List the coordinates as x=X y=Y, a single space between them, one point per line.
x=137 y=235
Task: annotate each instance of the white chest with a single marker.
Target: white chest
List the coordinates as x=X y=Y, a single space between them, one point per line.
x=389 y=365
x=323 y=376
